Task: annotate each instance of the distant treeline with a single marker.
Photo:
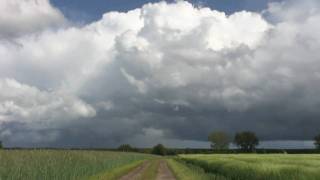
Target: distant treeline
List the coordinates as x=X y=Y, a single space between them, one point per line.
x=162 y=150
x=175 y=151
x=246 y=142
x=238 y=151
x=233 y=151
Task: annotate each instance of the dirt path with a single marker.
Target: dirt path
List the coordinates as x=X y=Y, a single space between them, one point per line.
x=136 y=173
x=164 y=173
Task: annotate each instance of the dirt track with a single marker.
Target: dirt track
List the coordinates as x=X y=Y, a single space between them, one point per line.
x=136 y=173
x=163 y=172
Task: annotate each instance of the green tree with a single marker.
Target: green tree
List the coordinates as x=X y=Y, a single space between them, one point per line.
x=0 y=145
x=317 y=141
x=159 y=150
x=219 y=140
x=246 y=140
x=125 y=148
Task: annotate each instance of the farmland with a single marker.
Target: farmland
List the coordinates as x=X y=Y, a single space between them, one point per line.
x=65 y=164
x=96 y=165
x=253 y=166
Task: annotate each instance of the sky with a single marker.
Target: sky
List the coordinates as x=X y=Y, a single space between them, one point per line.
x=103 y=73
x=84 y=10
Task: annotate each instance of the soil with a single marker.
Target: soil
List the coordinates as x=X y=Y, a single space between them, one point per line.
x=163 y=172
x=136 y=173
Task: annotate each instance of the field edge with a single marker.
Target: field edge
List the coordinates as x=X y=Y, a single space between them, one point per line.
x=117 y=172
x=184 y=171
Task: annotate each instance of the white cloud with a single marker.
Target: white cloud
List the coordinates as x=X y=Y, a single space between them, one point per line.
x=20 y=17
x=26 y=104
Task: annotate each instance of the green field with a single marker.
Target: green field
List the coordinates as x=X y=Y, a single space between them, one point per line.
x=257 y=166
x=65 y=165
x=98 y=165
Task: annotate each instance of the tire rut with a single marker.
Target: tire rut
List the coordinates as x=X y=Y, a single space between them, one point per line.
x=164 y=173
x=136 y=173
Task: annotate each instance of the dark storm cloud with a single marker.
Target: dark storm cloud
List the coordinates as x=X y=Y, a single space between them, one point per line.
x=163 y=73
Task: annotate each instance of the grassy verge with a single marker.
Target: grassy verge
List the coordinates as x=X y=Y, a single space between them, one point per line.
x=151 y=171
x=184 y=171
x=116 y=173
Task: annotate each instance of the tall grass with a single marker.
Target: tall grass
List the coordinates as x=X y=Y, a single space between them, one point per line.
x=185 y=171
x=262 y=167
x=151 y=171
x=61 y=165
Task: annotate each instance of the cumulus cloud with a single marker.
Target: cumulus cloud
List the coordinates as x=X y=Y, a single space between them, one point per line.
x=20 y=17
x=38 y=110
x=19 y=102
x=163 y=71
x=26 y=104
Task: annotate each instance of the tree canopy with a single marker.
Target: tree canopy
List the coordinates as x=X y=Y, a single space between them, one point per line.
x=219 y=140
x=246 y=140
x=125 y=148
x=159 y=150
x=317 y=141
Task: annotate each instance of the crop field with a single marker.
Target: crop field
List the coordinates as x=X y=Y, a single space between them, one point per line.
x=98 y=165
x=65 y=165
x=256 y=166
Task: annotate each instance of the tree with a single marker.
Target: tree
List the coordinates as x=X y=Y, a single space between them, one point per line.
x=0 y=145
x=317 y=141
x=246 y=140
x=125 y=148
x=159 y=150
x=219 y=140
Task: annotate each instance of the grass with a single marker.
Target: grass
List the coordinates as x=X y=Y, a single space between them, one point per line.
x=115 y=173
x=262 y=167
x=151 y=171
x=94 y=165
x=185 y=171
x=64 y=164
